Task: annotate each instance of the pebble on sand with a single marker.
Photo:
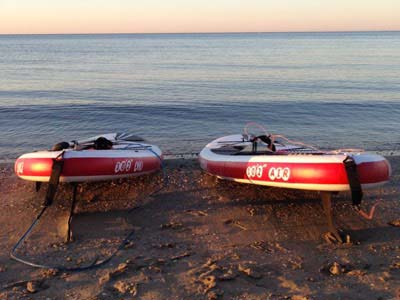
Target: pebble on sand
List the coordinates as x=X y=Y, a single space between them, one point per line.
x=34 y=286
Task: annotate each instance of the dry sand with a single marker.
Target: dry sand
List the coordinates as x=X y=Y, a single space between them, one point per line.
x=198 y=238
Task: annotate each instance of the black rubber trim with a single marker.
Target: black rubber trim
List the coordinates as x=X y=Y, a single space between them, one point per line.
x=56 y=170
x=353 y=179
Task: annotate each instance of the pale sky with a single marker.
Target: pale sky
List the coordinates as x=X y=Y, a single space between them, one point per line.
x=169 y=16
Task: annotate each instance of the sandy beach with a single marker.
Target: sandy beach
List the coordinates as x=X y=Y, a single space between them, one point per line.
x=196 y=237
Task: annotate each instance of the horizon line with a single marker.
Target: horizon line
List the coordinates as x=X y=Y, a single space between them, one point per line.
x=199 y=32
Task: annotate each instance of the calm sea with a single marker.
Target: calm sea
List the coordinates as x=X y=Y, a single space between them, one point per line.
x=180 y=91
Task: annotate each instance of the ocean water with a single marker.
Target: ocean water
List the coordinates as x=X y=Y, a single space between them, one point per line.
x=180 y=91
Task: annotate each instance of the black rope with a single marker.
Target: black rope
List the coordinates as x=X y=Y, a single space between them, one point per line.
x=96 y=263
x=53 y=183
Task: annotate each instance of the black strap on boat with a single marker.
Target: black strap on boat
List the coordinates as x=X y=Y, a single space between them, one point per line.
x=56 y=170
x=354 y=181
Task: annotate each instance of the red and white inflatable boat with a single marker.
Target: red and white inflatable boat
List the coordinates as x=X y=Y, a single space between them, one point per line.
x=244 y=159
x=127 y=155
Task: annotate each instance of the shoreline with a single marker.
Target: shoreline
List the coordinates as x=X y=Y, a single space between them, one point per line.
x=199 y=238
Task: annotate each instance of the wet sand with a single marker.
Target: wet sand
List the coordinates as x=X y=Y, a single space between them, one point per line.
x=198 y=238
